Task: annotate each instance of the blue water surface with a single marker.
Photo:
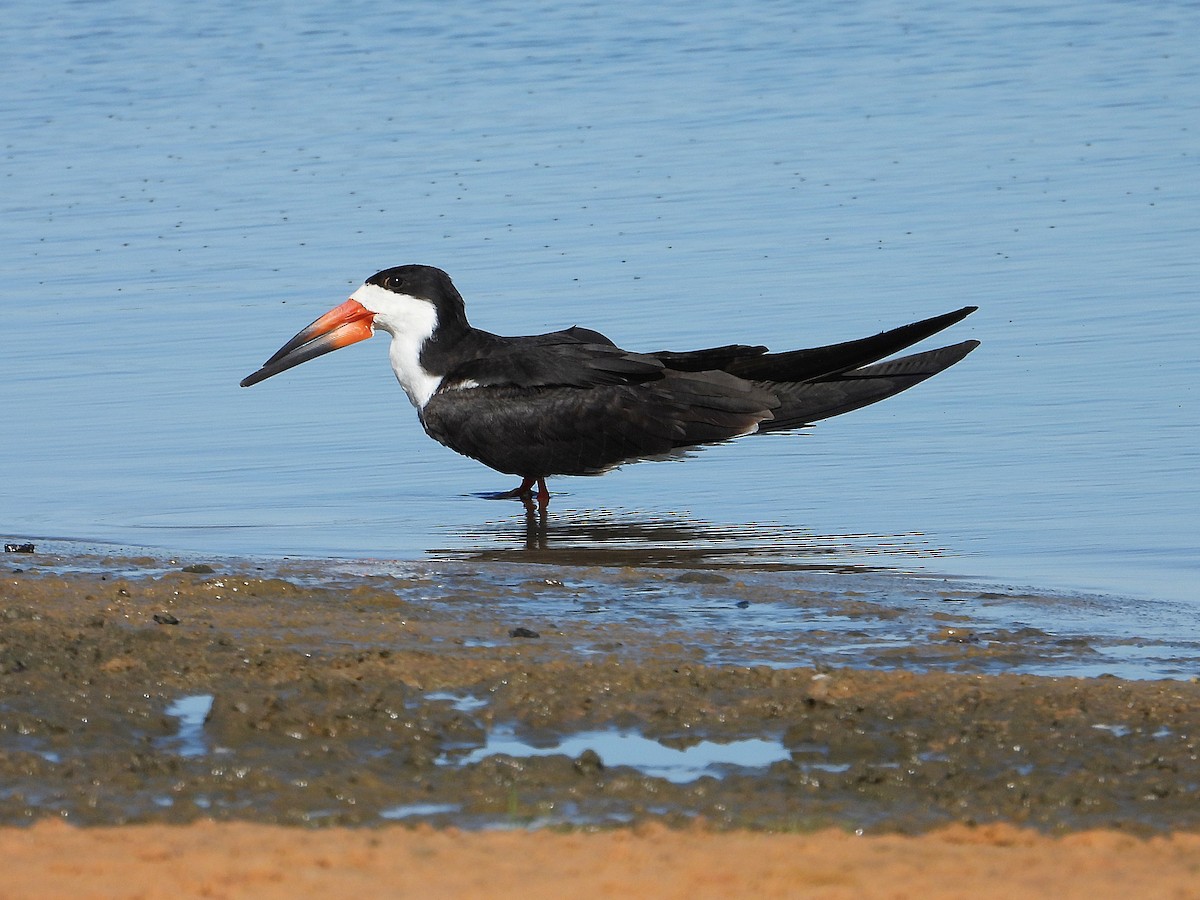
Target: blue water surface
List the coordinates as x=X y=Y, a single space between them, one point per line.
x=186 y=185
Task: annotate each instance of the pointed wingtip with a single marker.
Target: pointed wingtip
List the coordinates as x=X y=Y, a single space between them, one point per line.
x=964 y=349
x=951 y=318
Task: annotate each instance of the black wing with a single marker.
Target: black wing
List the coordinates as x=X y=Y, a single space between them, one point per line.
x=807 y=402
x=537 y=431
x=818 y=362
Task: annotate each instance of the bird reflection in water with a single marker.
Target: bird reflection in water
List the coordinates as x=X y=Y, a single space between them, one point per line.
x=605 y=537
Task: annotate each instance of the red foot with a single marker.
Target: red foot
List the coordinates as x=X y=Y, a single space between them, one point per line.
x=525 y=492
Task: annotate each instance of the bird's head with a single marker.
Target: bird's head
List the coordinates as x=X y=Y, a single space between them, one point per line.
x=408 y=302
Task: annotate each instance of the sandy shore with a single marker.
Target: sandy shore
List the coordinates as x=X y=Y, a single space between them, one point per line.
x=261 y=861
x=334 y=708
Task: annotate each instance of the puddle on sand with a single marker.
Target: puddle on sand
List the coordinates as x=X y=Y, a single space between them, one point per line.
x=419 y=810
x=627 y=748
x=190 y=739
x=461 y=702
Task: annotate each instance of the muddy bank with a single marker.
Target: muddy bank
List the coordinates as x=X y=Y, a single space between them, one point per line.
x=147 y=694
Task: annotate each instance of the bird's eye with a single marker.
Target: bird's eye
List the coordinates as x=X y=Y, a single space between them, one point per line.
x=394 y=282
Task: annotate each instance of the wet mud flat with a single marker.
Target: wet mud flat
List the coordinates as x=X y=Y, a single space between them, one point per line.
x=133 y=691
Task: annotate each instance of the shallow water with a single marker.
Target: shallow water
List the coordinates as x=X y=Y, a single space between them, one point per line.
x=185 y=187
x=715 y=609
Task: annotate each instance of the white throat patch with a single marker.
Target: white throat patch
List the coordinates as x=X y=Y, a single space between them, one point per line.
x=411 y=322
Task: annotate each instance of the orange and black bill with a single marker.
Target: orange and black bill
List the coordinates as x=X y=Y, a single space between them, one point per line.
x=347 y=324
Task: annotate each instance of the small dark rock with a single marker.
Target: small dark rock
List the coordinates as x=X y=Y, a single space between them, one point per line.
x=18 y=548
x=589 y=763
x=199 y=569
x=743 y=604
x=522 y=632
x=165 y=619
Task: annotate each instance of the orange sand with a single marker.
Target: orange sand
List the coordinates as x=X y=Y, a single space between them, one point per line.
x=264 y=862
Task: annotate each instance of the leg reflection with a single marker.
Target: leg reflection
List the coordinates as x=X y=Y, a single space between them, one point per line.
x=535 y=523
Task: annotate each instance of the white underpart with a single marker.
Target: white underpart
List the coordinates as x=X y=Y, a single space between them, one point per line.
x=411 y=322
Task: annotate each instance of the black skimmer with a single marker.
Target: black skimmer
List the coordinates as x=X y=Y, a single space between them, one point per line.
x=573 y=403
